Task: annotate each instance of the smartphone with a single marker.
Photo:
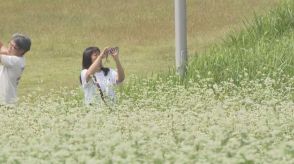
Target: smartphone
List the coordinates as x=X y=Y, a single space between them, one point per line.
x=113 y=49
x=116 y=49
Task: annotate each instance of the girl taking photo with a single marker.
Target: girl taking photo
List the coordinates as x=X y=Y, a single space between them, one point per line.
x=97 y=81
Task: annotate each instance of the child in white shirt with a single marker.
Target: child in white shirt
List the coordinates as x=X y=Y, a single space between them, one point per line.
x=98 y=81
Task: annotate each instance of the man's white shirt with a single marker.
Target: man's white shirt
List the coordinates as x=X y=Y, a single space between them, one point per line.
x=11 y=69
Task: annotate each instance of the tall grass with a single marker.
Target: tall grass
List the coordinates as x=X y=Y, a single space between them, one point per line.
x=263 y=47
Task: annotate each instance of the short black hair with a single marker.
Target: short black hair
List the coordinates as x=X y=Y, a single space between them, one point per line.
x=22 y=41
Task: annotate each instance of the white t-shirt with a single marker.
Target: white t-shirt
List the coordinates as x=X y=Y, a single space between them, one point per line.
x=91 y=91
x=11 y=68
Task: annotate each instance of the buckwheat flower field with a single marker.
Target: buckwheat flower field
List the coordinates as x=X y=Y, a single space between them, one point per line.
x=199 y=123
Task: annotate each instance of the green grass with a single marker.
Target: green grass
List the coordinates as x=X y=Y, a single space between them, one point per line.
x=264 y=47
x=61 y=30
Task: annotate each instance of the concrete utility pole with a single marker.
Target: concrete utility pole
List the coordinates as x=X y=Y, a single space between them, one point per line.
x=181 y=37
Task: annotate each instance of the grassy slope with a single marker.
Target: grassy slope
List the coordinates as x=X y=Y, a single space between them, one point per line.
x=262 y=50
x=264 y=47
x=143 y=29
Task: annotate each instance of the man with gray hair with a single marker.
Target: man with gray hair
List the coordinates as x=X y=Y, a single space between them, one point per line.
x=12 y=64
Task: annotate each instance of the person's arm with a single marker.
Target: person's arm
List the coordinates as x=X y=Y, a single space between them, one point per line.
x=96 y=65
x=9 y=60
x=120 y=71
x=3 y=49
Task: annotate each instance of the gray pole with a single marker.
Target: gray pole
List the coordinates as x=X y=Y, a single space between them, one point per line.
x=181 y=37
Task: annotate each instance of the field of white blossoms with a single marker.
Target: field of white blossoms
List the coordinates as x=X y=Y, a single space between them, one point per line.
x=199 y=123
x=236 y=105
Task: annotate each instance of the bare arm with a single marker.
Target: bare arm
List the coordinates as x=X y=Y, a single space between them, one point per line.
x=3 y=49
x=120 y=71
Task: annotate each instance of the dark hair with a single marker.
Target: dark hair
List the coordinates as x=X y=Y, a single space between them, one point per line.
x=87 y=60
x=22 y=41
